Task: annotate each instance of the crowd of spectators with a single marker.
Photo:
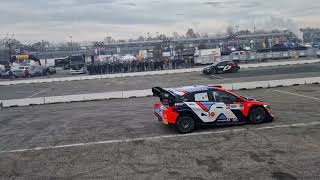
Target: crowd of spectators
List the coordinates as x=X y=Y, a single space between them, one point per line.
x=119 y=66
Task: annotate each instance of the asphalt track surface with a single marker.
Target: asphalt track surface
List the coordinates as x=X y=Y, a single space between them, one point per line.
x=288 y=148
x=66 y=73
x=146 y=82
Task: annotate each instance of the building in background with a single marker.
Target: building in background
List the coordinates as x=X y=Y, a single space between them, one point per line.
x=311 y=35
x=4 y=56
x=254 y=41
x=169 y=46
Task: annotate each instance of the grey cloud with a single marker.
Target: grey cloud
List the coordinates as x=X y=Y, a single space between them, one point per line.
x=213 y=3
x=130 y=4
x=104 y=15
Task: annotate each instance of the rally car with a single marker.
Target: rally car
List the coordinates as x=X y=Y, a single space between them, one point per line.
x=189 y=106
x=221 y=67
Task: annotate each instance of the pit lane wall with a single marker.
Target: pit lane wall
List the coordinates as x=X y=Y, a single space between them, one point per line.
x=147 y=73
x=148 y=92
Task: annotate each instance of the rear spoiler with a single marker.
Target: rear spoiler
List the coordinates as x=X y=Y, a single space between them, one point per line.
x=166 y=97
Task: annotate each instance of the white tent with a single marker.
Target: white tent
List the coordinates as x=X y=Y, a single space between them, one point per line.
x=127 y=57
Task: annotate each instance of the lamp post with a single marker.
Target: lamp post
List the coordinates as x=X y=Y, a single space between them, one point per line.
x=42 y=45
x=71 y=44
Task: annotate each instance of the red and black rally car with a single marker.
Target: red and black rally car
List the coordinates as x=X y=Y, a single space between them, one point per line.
x=207 y=105
x=221 y=67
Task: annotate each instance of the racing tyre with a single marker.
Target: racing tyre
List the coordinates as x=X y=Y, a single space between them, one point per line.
x=206 y=73
x=185 y=124
x=258 y=115
x=235 y=70
x=213 y=71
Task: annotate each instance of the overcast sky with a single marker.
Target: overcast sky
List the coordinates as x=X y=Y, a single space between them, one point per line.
x=56 y=20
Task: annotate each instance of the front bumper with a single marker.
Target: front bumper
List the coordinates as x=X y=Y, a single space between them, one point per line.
x=271 y=116
x=77 y=71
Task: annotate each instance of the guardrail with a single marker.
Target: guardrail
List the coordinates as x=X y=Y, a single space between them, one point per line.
x=147 y=73
x=148 y=92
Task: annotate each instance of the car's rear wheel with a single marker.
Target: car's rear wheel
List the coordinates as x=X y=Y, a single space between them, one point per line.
x=185 y=124
x=258 y=115
x=235 y=70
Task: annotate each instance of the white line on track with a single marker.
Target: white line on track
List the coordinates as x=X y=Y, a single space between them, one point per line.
x=44 y=90
x=217 y=76
x=39 y=92
x=285 y=92
x=160 y=137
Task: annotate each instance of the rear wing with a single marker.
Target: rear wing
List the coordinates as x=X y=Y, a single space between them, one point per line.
x=166 y=97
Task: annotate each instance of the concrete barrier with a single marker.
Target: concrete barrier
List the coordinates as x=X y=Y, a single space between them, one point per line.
x=102 y=96
x=250 y=85
x=314 y=80
x=107 y=76
x=131 y=74
x=287 y=82
x=148 y=92
x=90 y=77
x=22 y=102
x=137 y=93
x=63 y=99
x=227 y=86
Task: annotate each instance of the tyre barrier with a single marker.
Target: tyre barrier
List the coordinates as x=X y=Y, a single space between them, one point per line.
x=148 y=92
x=148 y=73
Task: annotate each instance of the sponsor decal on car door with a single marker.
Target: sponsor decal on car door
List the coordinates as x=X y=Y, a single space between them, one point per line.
x=227 y=67
x=211 y=112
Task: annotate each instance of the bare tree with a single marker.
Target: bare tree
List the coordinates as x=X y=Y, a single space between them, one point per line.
x=191 y=34
x=175 y=35
x=109 y=40
x=230 y=30
x=141 y=38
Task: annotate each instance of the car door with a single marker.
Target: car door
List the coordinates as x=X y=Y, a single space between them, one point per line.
x=201 y=106
x=226 y=108
x=221 y=66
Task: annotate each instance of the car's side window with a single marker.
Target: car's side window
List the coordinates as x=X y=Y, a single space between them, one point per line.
x=201 y=96
x=220 y=96
x=222 y=64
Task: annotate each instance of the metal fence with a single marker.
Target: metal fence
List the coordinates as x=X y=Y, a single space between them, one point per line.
x=253 y=56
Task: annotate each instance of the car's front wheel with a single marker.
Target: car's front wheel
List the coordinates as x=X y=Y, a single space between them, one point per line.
x=185 y=124
x=213 y=71
x=258 y=115
x=205 y=72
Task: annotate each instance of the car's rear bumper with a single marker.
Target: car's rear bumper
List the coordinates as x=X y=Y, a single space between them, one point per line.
x=158 y=112
x=166 y=115
x=159 y=117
